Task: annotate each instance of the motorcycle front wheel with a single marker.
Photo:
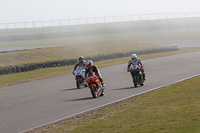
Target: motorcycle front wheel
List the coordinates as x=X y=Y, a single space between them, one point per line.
x=135 y=80
x=93 y=91
x=78 y=82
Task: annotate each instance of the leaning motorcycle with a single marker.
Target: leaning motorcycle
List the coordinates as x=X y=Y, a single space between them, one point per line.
x=137 y=75
x=94 y=84
x=80 y=75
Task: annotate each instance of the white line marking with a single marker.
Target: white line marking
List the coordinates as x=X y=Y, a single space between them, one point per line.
x=111 y=103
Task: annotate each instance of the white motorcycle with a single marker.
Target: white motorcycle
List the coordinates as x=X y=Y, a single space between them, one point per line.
x=80 y=76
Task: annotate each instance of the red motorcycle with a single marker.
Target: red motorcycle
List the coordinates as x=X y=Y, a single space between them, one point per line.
x=94 y=84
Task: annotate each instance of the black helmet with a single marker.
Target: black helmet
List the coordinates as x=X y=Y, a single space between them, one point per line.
x=81 y=59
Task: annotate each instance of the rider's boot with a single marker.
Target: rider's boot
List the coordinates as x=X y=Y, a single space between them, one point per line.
x=101 y=80
x=144 y=76
x=102 y=83
x=85 y=85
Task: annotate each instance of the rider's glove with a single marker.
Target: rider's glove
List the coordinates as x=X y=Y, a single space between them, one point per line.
x=128 y=70
x=73 y=73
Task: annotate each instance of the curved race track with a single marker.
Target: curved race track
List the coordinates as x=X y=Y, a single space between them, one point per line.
x=31 y=104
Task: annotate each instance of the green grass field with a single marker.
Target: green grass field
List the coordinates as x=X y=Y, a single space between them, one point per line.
x=174 y=109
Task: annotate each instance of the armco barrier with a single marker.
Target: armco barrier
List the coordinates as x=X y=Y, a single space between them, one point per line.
x=32 y=67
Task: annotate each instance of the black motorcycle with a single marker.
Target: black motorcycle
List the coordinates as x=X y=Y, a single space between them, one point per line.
x=137 y=76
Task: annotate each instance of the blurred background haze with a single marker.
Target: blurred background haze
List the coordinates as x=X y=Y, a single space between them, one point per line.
x=38 y=10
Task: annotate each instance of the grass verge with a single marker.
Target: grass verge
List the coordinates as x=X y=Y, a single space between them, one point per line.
x=174 y=109
x=16 y=78
x=71 y=52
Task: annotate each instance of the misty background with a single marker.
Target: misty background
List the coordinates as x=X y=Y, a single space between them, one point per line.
x=38 y=10
x=31 y=34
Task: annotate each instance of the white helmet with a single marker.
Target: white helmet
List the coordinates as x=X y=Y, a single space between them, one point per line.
x=88 y=64
x=133 y=57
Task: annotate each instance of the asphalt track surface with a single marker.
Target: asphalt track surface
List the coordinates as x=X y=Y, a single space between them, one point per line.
x=32 y=104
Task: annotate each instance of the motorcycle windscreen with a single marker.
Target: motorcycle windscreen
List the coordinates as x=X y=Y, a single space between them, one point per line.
x=90 y=74
x=134 y=67
x=78 y=70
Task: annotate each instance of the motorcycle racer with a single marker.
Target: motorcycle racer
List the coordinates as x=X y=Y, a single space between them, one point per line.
x=136 y=61
x=81 y=63
x=91 y=67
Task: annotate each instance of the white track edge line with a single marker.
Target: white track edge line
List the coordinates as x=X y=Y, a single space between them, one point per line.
x=110 y=103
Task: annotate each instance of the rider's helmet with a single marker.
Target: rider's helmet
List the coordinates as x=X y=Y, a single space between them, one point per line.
x=80 y=59
x=88 y=64
x=134 y=57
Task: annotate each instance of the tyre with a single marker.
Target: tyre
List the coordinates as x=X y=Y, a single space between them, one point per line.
x=78 y=82
x=93 y=91
x=135 y=81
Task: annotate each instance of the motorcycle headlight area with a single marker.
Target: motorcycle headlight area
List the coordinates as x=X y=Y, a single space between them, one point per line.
x=90 y=78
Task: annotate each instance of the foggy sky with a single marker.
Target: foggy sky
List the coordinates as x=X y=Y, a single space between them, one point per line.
x=37 y=10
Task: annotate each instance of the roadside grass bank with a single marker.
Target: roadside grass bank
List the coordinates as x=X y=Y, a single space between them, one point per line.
x=174 y=109
x=71 y=52
x=17 y=78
